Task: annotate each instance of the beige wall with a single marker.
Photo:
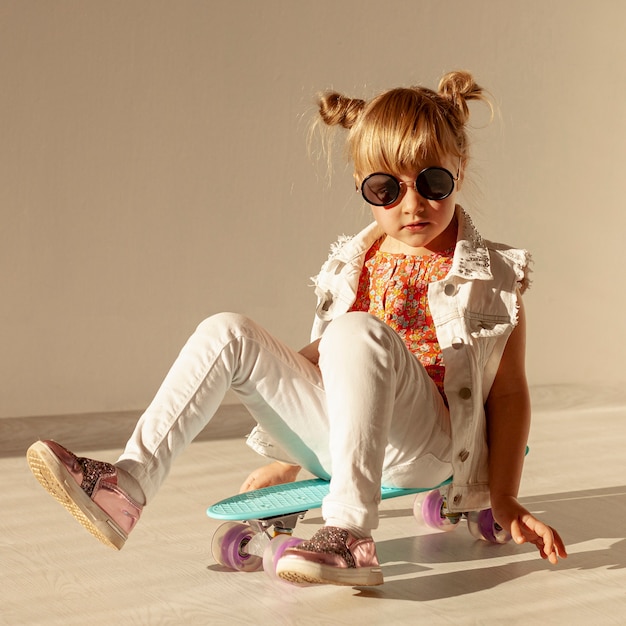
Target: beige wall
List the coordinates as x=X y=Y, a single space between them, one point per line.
x=154 y=170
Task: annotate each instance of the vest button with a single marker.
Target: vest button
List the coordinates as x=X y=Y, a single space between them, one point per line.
x=464 y=455
x=465 y=393
x=457 y=343
x=449 y=289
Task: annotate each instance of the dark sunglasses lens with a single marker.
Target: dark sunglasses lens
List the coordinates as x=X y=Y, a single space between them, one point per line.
x=380 y=189
x=435 y=183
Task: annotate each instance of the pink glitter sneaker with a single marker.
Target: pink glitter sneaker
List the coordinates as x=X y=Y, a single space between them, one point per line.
x=332 y=556
x=87 y=489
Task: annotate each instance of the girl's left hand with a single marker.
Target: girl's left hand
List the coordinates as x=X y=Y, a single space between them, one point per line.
x=276 y=473
x=526 y=528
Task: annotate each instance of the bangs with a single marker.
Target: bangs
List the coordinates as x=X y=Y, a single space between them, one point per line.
x=401 y=130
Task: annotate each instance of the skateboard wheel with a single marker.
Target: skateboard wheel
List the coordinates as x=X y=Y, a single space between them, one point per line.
x=275 y=550
x=483 y=526
x=434 y=512
x=229 y=544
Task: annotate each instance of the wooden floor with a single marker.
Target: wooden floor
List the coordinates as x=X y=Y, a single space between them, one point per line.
x=53 y=572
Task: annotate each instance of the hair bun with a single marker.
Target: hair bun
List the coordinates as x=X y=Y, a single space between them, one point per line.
x=459 y=87
x=336 y=109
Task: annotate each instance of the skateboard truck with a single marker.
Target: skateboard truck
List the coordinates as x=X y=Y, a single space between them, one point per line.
x=283 y=524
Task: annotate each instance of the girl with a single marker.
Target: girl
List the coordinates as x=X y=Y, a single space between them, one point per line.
x=415 y=373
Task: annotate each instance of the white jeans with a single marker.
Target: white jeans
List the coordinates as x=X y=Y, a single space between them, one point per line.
x=369 y=415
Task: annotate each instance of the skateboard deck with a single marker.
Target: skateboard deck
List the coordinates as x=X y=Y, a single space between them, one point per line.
x=288 y=499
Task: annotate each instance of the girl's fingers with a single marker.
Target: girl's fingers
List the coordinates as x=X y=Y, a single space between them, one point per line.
x=545 y=532
x=516 y=532
x=560 y=545
x=526 y=528
x=547 y=540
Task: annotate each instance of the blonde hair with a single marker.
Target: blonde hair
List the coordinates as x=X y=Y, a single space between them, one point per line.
x=401 y=128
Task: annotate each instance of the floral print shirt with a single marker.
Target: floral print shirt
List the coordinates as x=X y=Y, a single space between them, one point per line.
x=394 y=288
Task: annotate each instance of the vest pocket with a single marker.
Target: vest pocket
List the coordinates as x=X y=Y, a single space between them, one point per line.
x=486 y=325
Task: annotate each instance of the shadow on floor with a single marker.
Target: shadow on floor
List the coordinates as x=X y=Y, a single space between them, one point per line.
x=587 y=520
x=105 y=431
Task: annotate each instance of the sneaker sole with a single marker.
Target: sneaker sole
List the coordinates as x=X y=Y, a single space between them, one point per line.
x=58 y=482
x=300 y=571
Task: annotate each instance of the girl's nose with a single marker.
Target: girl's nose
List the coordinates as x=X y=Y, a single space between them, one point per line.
x=412 y=202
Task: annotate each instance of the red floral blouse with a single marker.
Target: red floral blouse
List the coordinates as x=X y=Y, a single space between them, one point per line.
x=394 y=288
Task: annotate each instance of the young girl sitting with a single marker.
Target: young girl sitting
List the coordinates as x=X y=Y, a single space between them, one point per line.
x=415 y=372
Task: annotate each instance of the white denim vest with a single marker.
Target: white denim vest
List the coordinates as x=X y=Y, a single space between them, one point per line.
x=474 y=310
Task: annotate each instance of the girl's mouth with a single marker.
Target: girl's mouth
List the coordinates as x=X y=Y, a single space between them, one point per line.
x=416 y=226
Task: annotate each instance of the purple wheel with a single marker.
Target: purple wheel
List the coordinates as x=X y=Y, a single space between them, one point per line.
x=483 y=526
x=275 y=550
x=228 y=547
x=434 y=512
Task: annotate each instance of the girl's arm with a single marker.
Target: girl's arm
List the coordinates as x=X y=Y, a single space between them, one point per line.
x=508 y=423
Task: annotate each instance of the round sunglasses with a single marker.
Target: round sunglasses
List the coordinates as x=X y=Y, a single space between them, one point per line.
x=432 y=183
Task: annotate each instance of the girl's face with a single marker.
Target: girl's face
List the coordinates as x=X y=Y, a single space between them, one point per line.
x=415 y=225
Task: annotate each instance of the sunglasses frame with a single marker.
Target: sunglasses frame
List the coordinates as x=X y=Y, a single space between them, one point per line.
x=414 y=185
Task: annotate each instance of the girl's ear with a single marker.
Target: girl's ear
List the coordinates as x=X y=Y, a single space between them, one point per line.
x=459 y=182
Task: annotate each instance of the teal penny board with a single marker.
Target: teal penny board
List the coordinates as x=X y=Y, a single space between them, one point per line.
x=287 y=499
